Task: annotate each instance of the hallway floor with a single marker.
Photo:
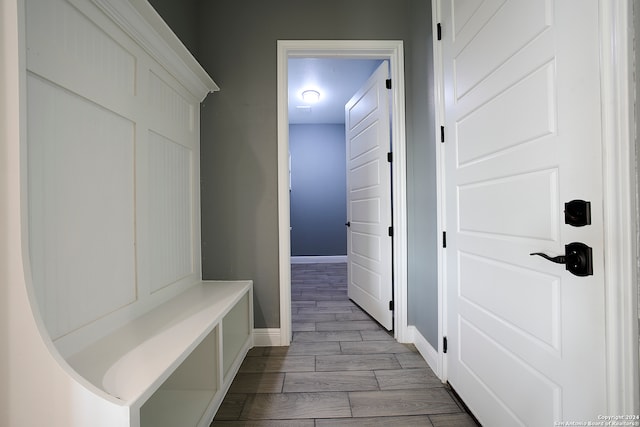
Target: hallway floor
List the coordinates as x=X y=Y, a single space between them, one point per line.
x=342 y=369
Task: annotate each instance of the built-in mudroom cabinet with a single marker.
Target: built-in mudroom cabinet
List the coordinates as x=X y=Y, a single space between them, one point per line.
x=111 y=206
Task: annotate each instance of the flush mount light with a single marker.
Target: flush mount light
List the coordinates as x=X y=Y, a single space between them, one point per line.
x=310 y=96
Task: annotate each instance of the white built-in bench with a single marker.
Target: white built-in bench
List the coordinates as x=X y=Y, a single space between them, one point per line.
x=113 y=190
x=173 y=365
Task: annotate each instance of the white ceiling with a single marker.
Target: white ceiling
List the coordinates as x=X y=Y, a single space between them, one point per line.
x=337 y=80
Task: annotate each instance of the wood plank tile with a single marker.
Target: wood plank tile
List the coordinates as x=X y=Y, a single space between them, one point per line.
x=401 y=402
x=405 y=421
x=404 y=379
x=389 y=383
x=453 y=420
x=352 y=325
x=264 y=423
x=330 y=381
x=319 y=297
x=327 y=336
x=315 y=348
x=278 y=364
x=411 y=360
x=365 y=362
x=313 y=317
x=345 y=303
x=231 y=407
x=327 y=290
x=326 y=310
x=303 y=304
x=303 y=326
x=380 y=335
x=256 y=351
x=369 y=347
x=276 y=351
x=257 y=383
x=351 y=315
x=296 y=405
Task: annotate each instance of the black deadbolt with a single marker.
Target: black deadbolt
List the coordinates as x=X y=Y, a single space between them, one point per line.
x=577 y=213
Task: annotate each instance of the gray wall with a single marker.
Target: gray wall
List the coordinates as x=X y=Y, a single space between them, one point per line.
x=421 y=178
x=318 y=189
x=236 y=44
x=182 y=17
x=636 y=29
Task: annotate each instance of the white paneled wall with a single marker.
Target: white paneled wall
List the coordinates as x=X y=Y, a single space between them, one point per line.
x=113 y=185
x=171 y=204
x=170 y=107
x=81 y=207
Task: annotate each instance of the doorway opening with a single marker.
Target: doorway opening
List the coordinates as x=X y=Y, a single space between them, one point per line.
x=341 y=200
x=317 y=147
x=392 y=51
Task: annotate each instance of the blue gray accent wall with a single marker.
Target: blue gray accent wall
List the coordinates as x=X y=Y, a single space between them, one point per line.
x=318 y=189
x=236 y=42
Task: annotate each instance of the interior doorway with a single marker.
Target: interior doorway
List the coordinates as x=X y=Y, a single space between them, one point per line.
x=339 y=141
x=317 y=151
x=378 y=50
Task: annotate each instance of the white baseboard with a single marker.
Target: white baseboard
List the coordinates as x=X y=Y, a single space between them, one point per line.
x=427 y=351
x=266 y=337
x=318 y=259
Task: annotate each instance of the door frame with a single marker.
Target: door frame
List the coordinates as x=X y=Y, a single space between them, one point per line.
x=393 y=51
x=620 y=192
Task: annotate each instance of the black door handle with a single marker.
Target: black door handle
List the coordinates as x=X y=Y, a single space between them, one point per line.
x=348 y=223
x=578 y=259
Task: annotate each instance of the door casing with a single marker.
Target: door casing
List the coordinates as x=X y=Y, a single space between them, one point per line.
x=393 y=51
x=620 y=246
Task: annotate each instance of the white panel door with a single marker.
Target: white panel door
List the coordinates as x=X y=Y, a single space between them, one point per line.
x=369 y=248
x=522 y=111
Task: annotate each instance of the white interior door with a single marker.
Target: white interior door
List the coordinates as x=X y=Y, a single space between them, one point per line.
x=523 y=136
x=369 y=247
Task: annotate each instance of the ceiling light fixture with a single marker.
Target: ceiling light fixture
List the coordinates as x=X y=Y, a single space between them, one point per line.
x=310 y=96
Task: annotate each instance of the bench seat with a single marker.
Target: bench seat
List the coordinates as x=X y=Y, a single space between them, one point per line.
x=132 y=363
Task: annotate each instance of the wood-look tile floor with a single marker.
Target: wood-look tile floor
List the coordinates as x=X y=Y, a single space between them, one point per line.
x=341 y=369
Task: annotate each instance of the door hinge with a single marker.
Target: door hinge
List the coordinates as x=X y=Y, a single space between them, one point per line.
x=390 y=231
x=439 y=31
x=388 y=83
x=390 y=305
x=389 y=157
x=444 y=239
x=444 y=344
x=441 y=133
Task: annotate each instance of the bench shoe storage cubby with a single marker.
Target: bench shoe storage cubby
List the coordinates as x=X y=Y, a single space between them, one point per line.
x=111 y=184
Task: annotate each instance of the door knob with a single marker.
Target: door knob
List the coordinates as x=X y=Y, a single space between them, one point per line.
x=578 y=259
x=348 y=223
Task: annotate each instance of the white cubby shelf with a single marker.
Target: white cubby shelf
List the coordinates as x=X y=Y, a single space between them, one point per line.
x=174 y=364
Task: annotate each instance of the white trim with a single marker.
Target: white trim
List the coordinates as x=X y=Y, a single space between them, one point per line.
x=266 y=337
x=616 y=47
x=142 y=23
x=426 y=350
x=440 y=187
x=353 y=49
x=284 y=224
x=318 y=259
